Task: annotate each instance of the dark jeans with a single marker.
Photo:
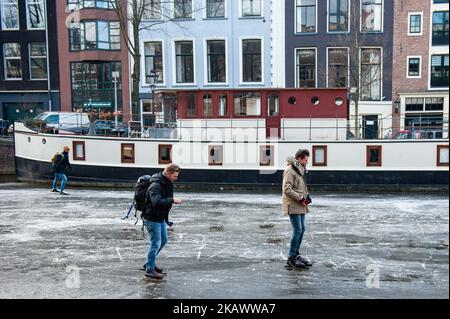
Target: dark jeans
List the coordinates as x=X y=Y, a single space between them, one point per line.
x=157 y=240
x=298 y=230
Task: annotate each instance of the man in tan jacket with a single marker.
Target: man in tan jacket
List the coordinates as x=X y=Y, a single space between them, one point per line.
x=295 y=204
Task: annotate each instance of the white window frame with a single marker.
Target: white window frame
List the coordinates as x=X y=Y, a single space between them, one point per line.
x=172 y=4
x=348 y=63
x=2 y=3
x=14 y=58
x=205 y=13
x=328 y=19
x=360 y=18
x=43 y=3
x=36 y=57
x=241 y=11
x=205 y=67
x=160 y=15
x=296 y=20
x=241 y=61
x=420 y=66
x=409 y=23
x=297 y=82
x=174 y=63
x=381 y=73
x=430 y=67
x=143 y=74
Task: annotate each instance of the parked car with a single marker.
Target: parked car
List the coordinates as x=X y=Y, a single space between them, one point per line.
x=66 y=121
x=419 y=134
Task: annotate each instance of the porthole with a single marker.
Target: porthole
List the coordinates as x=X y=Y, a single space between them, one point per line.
x=315 y=100
x=292 y=100
x=44 y=141
x=339 y=101
x=29 y=139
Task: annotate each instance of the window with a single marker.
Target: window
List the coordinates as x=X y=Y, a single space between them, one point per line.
x=370 y=74
x=440 y=28
x=184 y=51
x=94 y=35
x=414 y=104
x=215 y=8
x=152 y=10
x=13 y=63
x=79 y=151
x=38 y=61
x=414 y=67
x=306 y=16
x=191 y=106
x=442 y=155
x=93 y=86
x=425 y=125
x=338 y=69
x=127 y=153
x=223 y=105
x=440 y=1
x=371 y=15
x=215 y=153
x=9 y=12
x=165 y=154
x=182 y=9
x=35 y=14
x=306 y=68
x=207 y=105
x=415 y=24
x=319 y=155
x=98 y=4
x=266 y=157
x=153 y=52
x=247 y=104
x=434 y=104
x=338 y=20
x=439 y=71
x=216 y=62
x=252 y=61
x=273 y=101
x=251 y=8
x=373 y=156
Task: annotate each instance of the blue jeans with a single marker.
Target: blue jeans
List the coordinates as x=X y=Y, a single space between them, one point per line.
x=298 y=229
x=63 y=178
x=158 y=238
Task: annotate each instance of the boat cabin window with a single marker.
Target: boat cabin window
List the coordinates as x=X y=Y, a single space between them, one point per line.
x=207 y=105
x=223 y=105
x=127 y=153
x=165 y=154
x=215 y=154
x=79 y=153
x=266 y=155
x=319 y=155
x=274 y=104
x=247 y=104
x=442 y=155
x=374 y=155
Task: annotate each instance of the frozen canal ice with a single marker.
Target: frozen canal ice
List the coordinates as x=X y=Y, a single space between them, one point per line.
x=223 y=245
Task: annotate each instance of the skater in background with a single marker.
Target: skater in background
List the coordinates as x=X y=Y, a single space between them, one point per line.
x=159 y=201
x=59 y=164
x=295 y=203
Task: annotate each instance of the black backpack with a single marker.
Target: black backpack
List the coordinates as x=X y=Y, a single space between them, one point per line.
x=140 y=192
x=56 y=160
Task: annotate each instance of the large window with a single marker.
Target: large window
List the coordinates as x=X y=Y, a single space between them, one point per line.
x=424 y=104
x=439 y=71
x=153 y=52
x=184 y=51
x=415 y=24
x=182 y=9
x=440 y=28
x=38 y=61
x=252 y=60
x=306 y=68
x=80 y=4
x=13 y=62
x=251 y=8
x=370 y=77
x=215 y=8
x=216 y=61
x=94 y=35
x=338 y=16
x=338 y=69
x=93 y=84
x=371 y=15
x=247 y=104
x=152 y=10
x=9 y=14
x=35 y=14
x=306 y=16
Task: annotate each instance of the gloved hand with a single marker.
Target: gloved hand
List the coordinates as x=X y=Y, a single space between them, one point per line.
x=309 y=200
x=169 y=223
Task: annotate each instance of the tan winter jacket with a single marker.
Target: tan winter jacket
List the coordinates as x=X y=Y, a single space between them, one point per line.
x=294 y=189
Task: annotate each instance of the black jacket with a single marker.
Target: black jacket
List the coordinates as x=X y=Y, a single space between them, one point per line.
x=159 y=199
x=61 y=165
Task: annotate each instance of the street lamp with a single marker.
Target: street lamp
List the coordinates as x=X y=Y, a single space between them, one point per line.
x=397 y=104
x=115 y=81
x=152 y=79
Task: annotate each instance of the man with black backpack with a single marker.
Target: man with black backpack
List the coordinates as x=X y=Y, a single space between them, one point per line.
x=59 y=164
x=158 y=203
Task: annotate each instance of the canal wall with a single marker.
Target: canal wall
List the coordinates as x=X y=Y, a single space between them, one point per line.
x=7 y=166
